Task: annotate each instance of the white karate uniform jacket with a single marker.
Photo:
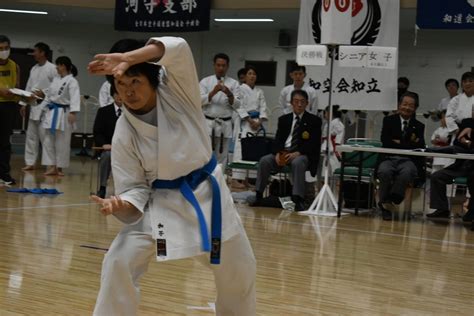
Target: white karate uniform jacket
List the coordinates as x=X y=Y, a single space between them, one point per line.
x=142 y=153
x=40 y=78
x=285 y=98
x=459 y=108
x=219 y=106
x=104 y=95
x=63 y=91
x=443 y=134
x=252 y=100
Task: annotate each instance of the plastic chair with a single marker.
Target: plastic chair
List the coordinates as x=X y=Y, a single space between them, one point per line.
x=367 y=161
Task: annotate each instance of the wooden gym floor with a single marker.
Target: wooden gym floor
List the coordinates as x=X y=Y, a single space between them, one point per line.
x=52 y=249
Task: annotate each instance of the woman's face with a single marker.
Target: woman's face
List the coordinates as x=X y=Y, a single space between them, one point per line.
x=251 y=78
x=61 y=69
x=136 y=92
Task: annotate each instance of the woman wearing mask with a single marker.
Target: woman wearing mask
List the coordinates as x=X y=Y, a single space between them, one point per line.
x=62 y=101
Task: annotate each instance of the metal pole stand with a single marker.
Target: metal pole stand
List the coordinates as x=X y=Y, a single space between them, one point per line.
x=325 y=203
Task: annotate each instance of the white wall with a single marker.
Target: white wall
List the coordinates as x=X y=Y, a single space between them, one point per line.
x=436 y=57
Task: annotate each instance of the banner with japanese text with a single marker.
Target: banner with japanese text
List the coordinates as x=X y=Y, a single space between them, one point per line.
x=368 y=87
x=443 y=14
x=162 y=15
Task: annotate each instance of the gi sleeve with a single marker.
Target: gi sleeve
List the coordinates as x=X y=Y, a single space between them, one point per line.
x=204 y=91
x=451 y=114
x=262 y=106
x=129 y=175
x=181 y=72
x=74 y=96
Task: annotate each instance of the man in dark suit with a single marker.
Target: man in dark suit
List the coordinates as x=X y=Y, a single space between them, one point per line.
x=460 y=168
x=104 y=127
x=298 y=144
x=396 y=172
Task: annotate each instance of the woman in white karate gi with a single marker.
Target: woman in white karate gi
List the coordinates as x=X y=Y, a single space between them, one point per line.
x=61 y=103
x=167 y=182
x=252 y=114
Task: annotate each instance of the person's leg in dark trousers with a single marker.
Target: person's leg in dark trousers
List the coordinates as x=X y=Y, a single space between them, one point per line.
x=438 y=198
x=299 y=165
x=406 y=173
x=7 y=118
x=385 y=174
x=469 y=216
x=105 y=167
x=266 y=165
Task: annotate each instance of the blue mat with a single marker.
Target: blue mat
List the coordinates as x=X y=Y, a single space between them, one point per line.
x=34 y=191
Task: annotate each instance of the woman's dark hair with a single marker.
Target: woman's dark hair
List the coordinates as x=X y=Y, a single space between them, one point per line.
x=241 y=72
x=248 y=68
x=150 y=71
x=335 y=111
x=112 y=90
x=66 y=61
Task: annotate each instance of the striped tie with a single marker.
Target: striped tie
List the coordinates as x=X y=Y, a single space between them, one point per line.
x=295 y=135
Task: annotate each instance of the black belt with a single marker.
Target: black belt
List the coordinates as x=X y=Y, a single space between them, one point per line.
x=213 y=135
x=220 y=118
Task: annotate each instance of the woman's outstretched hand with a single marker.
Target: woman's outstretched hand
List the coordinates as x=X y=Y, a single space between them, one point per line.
x=115 y=64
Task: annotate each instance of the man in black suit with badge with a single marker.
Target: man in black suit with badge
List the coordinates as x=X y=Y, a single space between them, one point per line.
x=297 y=144
x=395 y=172
x=104 y=127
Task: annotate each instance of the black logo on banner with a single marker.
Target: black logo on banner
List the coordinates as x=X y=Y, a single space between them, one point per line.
x=366 y=33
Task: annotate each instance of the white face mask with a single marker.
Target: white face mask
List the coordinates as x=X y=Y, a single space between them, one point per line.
x=4 y=54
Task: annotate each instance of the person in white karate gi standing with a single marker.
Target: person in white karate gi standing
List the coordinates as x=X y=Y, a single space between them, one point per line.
x=220 y=97
x=252 y=114
x=61 y=103
x=171 y=193
x=297 y=74
x=41 y=77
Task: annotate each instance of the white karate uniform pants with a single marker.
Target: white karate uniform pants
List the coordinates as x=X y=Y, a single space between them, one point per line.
x=133 y=248
x=57 y=148
x=34 y=135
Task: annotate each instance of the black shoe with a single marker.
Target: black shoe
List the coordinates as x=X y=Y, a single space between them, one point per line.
x=299 y=203
x=255 y=201
x=101 y=192
x=386 y=214
x=469 y=216
x=439 y=214
x=299 y=206
x=7 y=179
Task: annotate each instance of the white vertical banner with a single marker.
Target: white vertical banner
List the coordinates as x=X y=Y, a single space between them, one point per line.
x=373 y=23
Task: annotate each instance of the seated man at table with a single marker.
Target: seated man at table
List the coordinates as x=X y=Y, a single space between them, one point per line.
x=397 y=172
x=460 y=168
x=104 y=127
x=297 y=144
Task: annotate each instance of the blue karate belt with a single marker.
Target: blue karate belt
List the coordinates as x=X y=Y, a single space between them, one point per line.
x=253 y=114
x=55 y=107
x=34 y=191
x=187 y=184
